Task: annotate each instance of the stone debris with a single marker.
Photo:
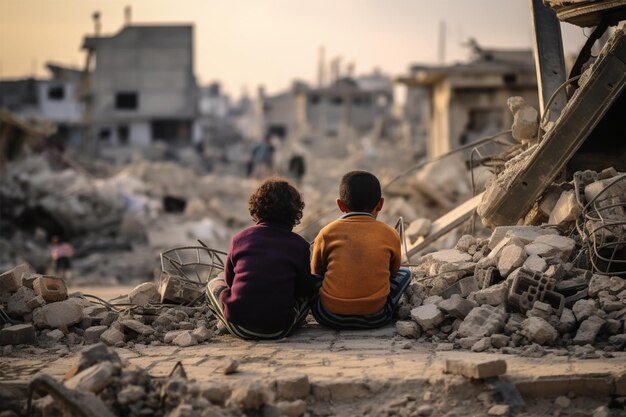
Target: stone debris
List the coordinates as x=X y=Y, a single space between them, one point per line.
x=476 y=370
x=144 y=294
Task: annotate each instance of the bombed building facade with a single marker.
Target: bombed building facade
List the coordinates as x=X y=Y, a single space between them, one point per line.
x=142 y=87
x=466 y=101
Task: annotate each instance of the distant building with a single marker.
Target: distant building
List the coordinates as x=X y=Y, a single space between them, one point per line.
x=467 y=101
x=143 y=87
x=54 y=99
x=347 y=106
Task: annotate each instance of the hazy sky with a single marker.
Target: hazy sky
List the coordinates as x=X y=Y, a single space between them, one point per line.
x=247 y=43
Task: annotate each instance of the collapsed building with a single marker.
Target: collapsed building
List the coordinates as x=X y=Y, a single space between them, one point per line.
x=550 y=275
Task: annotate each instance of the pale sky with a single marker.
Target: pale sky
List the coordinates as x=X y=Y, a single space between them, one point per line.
x=244 y=44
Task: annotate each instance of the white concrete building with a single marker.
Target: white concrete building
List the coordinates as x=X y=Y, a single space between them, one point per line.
x=143 y=87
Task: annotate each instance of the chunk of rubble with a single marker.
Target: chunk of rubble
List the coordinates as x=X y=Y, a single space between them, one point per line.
x=585 y=308
x=494 y=295
x=483 y=321
x=295 y=387
x=551 y=246
x=144 y=294
x=476 y=370
x=417 y=229
x=18 y=304
x=525 y=120
x=51 y=289
x=92 y=334
x=566 y=209
x=61 y=314
x=427 y=316
x=511 y=258
x=448 y=256
x=408 y=329
x=112 y=336
x=11 y=280
x=523 y=234
x=539 y=331
x=457 y=306
x=535 y=263
x=137 y=326
x=599 y=283
x=18 y=334
x=588 y=331
x=249 y=395
x=93 y=379
x=185 y=339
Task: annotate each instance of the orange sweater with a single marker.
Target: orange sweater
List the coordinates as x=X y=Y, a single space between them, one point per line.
x=357 y=255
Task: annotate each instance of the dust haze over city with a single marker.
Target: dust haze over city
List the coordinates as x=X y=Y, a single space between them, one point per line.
x=319 y=208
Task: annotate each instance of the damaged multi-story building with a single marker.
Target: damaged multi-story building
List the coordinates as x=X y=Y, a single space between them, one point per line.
x=347 y=107
x=142 y=88
x=465 y=101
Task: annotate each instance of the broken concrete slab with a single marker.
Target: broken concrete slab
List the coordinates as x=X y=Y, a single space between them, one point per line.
x=476 y=370
x=535 y=263
x=427 y=316
x=524 y=234
x=61 y=314
x=93 y=379
x=137 y=326
x=92 y=334
x=410 y=329
x=483 y=321
x=18 y=304
x=112 y=336
x=457 y=306
x=494 y=295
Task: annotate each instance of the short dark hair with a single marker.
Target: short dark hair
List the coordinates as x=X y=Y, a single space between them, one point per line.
x=276 y=201
x=360 y=191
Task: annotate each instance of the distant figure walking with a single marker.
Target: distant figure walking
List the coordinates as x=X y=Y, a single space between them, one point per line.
x=297 y=168
x=262 y=162
x=61 y=253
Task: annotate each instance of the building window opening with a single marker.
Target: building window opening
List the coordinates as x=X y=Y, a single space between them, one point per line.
x=123 y=135
x=337 y=100
x=314 y=99
x=126 y=101
x=104 y=135
x=56 y=92
x=509 y=79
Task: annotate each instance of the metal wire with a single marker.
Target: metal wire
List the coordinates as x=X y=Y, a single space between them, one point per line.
x=602 y=229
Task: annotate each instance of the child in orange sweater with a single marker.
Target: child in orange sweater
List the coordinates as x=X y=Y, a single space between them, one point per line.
x=359 y=259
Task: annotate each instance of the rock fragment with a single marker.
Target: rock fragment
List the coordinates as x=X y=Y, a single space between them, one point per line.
x=588 y=331
x=476 y=370
x=408 y=329
x=54 y=315
x=483 y=321
x=144 y=294
x=427 y=316
x=539 y=331
x=511 y=257
x=18 y=334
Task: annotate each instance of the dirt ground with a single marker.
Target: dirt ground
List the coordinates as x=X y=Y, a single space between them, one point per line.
x=373 y=373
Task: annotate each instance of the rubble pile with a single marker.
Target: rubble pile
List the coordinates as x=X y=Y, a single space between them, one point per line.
x=526 y=287
x=37 y=310
x=103 y=384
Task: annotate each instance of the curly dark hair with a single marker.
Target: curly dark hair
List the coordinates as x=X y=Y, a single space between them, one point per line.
x=276 y=201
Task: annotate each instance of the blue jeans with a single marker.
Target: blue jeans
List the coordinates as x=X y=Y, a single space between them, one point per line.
x=398 y=285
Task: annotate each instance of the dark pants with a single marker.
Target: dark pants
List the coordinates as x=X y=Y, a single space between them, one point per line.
x=214 y=289
x=398 y=285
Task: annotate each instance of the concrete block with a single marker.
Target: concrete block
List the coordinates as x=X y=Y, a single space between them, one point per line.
x=563 y=245
x=476 y=370
x=93 y=379
x=51 y=289
x=19 y=334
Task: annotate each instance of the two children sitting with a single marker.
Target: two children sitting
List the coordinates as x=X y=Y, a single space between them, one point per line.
x=268 y=288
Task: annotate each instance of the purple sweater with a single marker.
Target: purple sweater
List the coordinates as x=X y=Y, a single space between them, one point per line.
x=267 y=267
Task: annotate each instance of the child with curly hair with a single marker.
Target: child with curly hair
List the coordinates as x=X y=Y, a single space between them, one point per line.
x=266 y=287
